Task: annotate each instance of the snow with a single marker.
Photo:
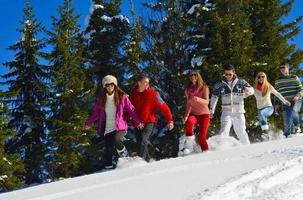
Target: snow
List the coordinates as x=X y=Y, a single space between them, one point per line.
x=28 y=130
x=96 y=6
x=3 y=177
x=259 y=64
x=106 y=18
x=193 y=8
x=199 y=36
x=230 y=171
x=5 y=159
x=197 y=61
x=109 y=19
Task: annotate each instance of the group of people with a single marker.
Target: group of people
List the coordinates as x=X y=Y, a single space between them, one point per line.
x=112 y=109
x=111 y=106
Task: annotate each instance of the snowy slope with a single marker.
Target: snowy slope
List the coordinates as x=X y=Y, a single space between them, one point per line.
x=269 y=170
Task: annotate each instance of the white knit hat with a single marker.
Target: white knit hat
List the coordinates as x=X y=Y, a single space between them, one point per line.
x=109 y=79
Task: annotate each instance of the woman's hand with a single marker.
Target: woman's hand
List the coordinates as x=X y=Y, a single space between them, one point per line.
x=287 y=103
x=184 y=119
x=140 y=126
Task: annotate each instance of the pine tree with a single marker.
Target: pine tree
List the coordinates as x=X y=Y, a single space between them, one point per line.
x=107 y=33
x=248 y=34
x=11 y=168
x=271 y=38
x=27 y=90
x=167 y=48
x=229 y=37
x=134 y=50
x=69 y=94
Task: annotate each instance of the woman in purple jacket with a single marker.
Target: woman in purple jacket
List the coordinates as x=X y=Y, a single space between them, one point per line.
x=109 y=113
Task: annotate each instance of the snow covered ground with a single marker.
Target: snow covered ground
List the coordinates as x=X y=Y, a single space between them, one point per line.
x=268 y=170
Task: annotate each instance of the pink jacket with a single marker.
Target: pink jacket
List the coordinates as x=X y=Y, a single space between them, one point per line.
x=124 y=109
x=197 y=100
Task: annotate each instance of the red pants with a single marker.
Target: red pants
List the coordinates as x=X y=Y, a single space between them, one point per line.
x=203 y=122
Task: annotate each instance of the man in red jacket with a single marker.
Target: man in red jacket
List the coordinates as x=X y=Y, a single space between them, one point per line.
x=146 y=102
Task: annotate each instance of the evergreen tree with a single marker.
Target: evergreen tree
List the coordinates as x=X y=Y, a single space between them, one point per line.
x=11 y=168
x=167 y=48
x=107 y=33
x=134 y=49
x=271 y=39
x=248 y=34
x=228 y=38
x=69 y=95
x=27 y=90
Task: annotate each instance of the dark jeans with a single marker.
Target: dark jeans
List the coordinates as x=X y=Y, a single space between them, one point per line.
x=112 y=142
x=143 y=141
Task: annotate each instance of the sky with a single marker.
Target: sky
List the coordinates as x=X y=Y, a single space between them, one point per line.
x=12 y=13
x=229 y=171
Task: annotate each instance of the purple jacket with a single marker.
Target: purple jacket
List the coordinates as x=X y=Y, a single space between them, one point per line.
x=124 y=109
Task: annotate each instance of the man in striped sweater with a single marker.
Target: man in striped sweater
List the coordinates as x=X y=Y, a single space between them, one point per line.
x=290 y=87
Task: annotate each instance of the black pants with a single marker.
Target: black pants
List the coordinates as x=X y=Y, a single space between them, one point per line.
x=143 y=141
x=112 y=142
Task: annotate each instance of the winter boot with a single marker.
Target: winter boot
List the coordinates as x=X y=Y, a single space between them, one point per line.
x=110 y=166
x=123 y=152
x=265 y=133
x=297 y=130
x=189 y=144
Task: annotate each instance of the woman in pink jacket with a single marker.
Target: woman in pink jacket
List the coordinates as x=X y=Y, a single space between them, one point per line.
x=109 y=113
x=197 y=112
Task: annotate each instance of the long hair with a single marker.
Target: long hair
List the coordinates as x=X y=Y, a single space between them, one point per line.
x=266 y=86
x=118 y=95
x=200 y=80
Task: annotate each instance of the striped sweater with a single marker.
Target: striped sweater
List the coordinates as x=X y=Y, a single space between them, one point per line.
x=289 y=87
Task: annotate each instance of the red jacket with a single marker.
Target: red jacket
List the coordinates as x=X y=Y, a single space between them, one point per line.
x=146 y=104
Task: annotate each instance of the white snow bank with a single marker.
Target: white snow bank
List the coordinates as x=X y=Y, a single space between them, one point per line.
x=219 y=142
x=280 y=181
x=263 y=171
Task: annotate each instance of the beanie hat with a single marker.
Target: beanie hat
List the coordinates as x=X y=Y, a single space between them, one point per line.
x=109 y=79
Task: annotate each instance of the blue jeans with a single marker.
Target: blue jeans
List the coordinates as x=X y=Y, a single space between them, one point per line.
x=263 y=115
x=291 y=117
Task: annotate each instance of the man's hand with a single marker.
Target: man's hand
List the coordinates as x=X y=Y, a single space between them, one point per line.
x=170 y=125
x=295 y=99
x=246 y=90
x=277 y=109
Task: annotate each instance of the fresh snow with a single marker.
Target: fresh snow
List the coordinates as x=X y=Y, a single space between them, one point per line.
x=197 y=61
x=120 y=17
x=229 y=171
x=193 y=8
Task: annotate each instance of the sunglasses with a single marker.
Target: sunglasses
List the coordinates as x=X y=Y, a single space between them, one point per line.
x=282 y=67
x=228 y=74
x=193 y=75
x=261 y=77
x=109 y=84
